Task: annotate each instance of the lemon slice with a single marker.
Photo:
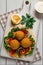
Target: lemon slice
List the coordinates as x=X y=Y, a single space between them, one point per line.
x=15 y=18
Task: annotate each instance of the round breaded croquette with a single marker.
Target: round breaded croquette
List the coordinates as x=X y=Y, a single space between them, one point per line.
x=19 y=35
x=26 y=42
x=14 y=44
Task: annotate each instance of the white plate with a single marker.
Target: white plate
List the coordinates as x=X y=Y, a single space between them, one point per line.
x=6 y=54
x=39 y=6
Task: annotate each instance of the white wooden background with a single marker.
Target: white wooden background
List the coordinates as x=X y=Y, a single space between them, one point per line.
x=10 y=6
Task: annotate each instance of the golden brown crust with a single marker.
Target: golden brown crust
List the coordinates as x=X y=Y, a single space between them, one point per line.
x=19 y=35
x=14 y=44
x=26 y=42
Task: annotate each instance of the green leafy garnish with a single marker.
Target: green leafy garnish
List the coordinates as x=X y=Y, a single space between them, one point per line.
x=17 y=51
x=17 y=55
x=23 y=29
x=25 y=54
x=23 y=19
x=15 y=29
x=28 y=20
x=27 y=15
x=32 y=39
x=5 y=38
x=30 y=36
x=6 y=46
x=32 y=45
x=29 y=24
x=31 y=52
x=10 y=34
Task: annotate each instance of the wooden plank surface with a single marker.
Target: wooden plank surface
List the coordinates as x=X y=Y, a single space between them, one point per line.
x=10 y=6
x=2 y=10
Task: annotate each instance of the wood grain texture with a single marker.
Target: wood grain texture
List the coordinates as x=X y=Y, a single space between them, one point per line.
x=10 y=6
x=2 y=10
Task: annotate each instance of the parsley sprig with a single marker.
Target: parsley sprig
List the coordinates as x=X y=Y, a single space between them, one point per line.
x=6 y=45
x=28 y=20
x=32 y=39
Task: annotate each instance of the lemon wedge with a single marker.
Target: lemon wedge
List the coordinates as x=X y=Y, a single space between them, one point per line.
x=15 y=18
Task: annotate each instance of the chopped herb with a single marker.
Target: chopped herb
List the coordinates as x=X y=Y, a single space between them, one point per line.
x=25 y=54
x=31 y=20
x=17 y=55
x=15 y=29
x=23 y=20
x=31 y=38
x=6 y=46
x=31 y=52
x=27 y=15
x=28 y=20
x=9 y=49
x=32 y=45
x=23 y=29
x=10 y=34
x=5 y=38
x=29 y=24
x=17 y=51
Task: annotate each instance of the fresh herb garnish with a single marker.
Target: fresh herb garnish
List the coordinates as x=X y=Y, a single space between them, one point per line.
x=5 y=38
x=23 y=19
x=31 y=38
x=31 y=52
x=10 y=35
x=6 y=46
x=23 y=29
x=25 y=54
x=15 y=29
x=17 y=51
x=27 y=15
x=29 y=24
x=32 y=45
x=28 y=20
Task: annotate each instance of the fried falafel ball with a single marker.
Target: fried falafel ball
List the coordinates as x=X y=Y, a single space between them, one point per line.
x=26 y=42
x=14 y=44
x=19 y=35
